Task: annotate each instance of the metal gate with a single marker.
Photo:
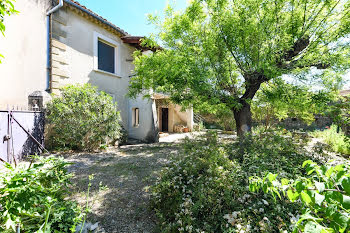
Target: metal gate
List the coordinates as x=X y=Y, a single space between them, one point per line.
x=21 y=134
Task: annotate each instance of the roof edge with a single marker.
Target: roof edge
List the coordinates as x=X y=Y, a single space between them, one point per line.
x=135 y=41
x=96 y=16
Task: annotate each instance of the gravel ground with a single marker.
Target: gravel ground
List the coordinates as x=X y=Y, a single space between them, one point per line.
x=120 y=188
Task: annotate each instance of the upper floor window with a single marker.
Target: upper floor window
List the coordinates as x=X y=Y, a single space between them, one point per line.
x=106 y=57
x=106 y=54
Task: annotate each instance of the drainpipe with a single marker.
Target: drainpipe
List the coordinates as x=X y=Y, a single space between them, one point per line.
x=48 y=61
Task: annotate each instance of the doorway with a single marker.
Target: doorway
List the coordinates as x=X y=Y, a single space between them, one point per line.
x=165 y=119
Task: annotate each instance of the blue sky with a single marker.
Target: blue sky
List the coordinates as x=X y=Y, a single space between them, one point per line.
x=130 y=15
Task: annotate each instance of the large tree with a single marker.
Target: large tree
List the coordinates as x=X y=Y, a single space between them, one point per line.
x=221 y=51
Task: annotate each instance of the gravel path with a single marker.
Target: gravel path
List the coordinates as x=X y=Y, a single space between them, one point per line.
x=120 y=188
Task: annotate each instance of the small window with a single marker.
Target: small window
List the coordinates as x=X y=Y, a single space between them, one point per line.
x=106 y=57
x=135 y=117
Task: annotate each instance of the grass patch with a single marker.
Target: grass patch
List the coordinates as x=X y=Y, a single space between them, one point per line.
x=337 y=141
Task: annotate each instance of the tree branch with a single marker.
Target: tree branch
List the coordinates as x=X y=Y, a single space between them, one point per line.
x=298 y=46
x=253 y=82
x=232 y=53
x=296 y=49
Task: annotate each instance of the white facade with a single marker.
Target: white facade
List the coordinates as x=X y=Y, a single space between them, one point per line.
x=24 y=47
x=75 y=36
x=79 y=51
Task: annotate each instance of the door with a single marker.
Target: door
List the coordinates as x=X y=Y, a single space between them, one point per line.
x=165 y=119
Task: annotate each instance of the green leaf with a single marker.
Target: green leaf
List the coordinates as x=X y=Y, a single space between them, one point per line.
x=285 y=181
x=299 y=186
x=305 y=198
x=337 y=196
x=313 y=227
x=331 y=209
x=346 y=202
x=307 y=163
x=329 y=172
x=341 y=220
x=319 y=199
x=346 y=184
x=320 y=186
x=271 y=177
x=293 y=196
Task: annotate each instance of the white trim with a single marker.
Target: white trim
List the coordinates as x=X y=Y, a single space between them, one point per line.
x=117 y=59
x=107 y=73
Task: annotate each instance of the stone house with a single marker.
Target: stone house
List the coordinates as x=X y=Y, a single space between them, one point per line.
x=52 y=43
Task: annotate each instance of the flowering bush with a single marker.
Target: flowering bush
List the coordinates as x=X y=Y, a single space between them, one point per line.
x=195 y=189
x=207 y=188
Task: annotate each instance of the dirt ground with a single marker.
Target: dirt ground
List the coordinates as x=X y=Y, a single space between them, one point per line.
x=120 y=192
x=120 y=188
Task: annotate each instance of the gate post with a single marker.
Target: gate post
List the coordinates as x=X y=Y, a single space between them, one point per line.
x=8 y=137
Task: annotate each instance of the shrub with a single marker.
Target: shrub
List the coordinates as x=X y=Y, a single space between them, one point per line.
x=338 y=141
x=195 y=189
x=324 y=193
x=82 y=118
x=207 y=188
x=34 y=198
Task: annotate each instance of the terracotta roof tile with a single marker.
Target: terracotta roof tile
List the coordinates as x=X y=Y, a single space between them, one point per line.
x=103 y=20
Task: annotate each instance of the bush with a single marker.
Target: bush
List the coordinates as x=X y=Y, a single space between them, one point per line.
x=82 y=118
x=194 y=190
x=338 y=141
x=34 y=198
x=207 y=188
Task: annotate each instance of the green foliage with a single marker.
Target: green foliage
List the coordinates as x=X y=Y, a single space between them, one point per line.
x=337 y=140
x=207 y=188
x=280 y=100
x=340 y=112
x=192 y=191
x=324 y=194
x=35 y=197
x=82 y=118
x=217 y=115
x=6 y=8
x=221 y=51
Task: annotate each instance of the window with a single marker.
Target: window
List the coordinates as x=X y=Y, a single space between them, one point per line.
x=106 y=57
x=135 y=117
x=106 y=54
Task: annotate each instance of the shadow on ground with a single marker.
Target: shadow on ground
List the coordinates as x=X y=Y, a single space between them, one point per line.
x=120 y=188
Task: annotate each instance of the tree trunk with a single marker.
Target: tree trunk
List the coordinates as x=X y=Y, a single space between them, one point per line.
x=243 y=118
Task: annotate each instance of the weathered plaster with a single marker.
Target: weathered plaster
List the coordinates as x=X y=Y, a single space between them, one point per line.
x=23 y=70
